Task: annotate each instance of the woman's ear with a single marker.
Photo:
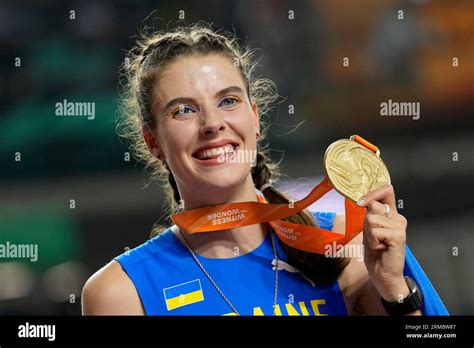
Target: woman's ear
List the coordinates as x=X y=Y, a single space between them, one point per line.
x=152 y=143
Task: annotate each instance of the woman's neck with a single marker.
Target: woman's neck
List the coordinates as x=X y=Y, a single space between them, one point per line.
x=225 y=243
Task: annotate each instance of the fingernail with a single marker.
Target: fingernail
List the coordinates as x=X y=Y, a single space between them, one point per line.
x=361 y=201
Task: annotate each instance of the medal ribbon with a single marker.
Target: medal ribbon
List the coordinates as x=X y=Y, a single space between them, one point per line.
x=302 y=237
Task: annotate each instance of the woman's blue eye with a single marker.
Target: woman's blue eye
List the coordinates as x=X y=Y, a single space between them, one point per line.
x=229 y=101
x=183 y=110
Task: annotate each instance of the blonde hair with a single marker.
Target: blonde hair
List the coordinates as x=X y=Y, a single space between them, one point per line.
x=143 y=67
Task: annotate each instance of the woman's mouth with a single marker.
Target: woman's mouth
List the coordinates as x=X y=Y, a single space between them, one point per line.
x=216 y=152
x=216 y=155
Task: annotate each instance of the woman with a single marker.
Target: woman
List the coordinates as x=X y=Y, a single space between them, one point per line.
x=193 y=104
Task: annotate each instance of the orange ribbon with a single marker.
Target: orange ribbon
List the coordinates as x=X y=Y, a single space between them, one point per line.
x=303 y=237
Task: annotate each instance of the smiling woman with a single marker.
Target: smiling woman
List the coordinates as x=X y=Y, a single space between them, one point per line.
x=192 y=103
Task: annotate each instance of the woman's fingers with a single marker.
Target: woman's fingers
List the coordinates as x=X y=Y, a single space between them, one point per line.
x=375 y=207
x=385 y=194
x=380 y=238
x=394 y=219
x=374 y=220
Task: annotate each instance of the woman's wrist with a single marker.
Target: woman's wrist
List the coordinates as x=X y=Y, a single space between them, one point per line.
x=393 y=291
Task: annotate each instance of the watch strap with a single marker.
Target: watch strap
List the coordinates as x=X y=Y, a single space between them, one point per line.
x=409 y=304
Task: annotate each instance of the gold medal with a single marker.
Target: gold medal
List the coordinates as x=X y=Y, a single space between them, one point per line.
x=354 y=167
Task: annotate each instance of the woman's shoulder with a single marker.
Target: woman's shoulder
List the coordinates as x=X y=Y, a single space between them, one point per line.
x=162 y=244
x=110 y=291
x=113 y=288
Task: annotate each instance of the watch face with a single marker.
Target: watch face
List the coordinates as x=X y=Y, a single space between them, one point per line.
x=416 y=297
x=411 y=284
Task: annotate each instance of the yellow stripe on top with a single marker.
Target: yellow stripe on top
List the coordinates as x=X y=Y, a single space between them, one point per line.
x=184 y=299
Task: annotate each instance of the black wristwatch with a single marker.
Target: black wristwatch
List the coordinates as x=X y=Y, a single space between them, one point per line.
x=409 y=304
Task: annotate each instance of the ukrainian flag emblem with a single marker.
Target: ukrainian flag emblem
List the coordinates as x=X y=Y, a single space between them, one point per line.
x=183 y=294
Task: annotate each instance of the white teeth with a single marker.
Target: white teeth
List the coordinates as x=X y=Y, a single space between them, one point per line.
x=216 y=151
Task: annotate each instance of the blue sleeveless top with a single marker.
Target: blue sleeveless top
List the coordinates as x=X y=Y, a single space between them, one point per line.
x=169 y=282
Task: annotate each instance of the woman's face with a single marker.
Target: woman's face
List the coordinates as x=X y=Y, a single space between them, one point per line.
x=203 y=116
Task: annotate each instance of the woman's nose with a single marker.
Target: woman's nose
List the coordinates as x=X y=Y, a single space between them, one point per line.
x=211 y=122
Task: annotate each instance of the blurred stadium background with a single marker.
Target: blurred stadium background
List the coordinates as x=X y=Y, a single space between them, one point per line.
x=73 y=158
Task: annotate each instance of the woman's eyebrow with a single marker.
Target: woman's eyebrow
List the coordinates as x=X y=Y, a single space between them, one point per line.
x=222 y=92
x=227 y=90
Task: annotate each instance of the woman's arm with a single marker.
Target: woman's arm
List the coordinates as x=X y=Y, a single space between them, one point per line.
x=110 y=291
x=360 y=294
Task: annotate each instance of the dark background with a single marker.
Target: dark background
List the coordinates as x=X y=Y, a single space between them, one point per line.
x=64 y=158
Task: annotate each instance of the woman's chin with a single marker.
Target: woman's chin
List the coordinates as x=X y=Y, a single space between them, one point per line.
x=223 y=179
x=220 y=183
x=216 y=175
